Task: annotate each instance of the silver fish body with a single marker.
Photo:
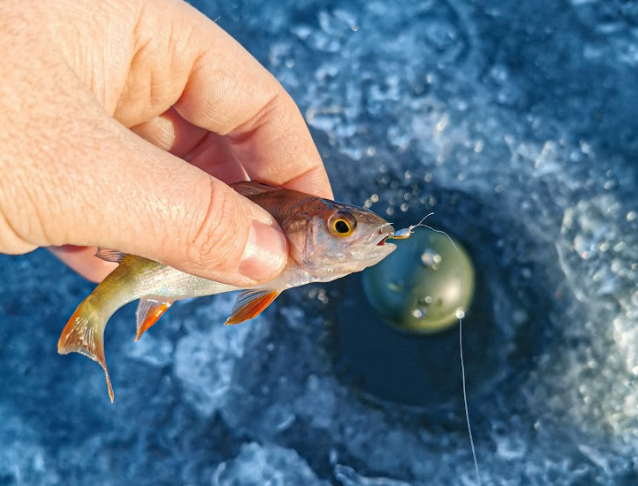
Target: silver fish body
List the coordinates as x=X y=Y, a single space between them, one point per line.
x=327 y=240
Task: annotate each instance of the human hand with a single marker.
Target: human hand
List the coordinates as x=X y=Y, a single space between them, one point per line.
x=85 y=86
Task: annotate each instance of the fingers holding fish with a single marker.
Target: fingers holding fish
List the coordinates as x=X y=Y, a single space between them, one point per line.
x=73 y=174
x=198 y=224
x=129 y=195
x=232 y=251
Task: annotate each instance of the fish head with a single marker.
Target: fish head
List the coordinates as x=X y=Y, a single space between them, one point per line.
x=330 y=239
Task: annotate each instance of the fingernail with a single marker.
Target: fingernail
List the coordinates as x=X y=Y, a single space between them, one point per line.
x=265 y=253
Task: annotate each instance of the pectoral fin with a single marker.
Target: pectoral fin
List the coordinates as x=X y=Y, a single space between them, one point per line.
x=148 y=312
x=251 y=303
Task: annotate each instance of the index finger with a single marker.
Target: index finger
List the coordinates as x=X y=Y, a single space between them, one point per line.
x=226 y=90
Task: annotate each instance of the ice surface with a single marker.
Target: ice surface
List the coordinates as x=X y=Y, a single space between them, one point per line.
x=515 y=123
x=348 y=477
x=265 y=466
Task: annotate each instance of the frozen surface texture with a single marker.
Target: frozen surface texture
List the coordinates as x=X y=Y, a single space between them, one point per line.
x=516 y=123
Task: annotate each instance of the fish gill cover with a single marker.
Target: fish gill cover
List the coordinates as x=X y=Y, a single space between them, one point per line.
x=515 y=123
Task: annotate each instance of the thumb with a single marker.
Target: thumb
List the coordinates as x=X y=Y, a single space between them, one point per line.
x=120 y=192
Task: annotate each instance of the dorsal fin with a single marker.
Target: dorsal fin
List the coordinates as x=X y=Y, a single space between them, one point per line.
x=148 y=312
x=252 y=188
x=251 y=303
x=112 y=256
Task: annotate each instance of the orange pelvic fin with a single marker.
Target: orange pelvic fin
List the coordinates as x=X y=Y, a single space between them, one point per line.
x=148 y=312
x=251 y=303
x=84 y=334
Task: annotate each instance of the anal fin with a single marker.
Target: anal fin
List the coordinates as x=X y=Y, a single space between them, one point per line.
x=251 y=303
x=84 y=334
x=148 y=312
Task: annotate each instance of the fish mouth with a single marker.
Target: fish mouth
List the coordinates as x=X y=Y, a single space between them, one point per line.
x=384 y=235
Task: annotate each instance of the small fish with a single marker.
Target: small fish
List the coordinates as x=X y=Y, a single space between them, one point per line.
x=327 y=240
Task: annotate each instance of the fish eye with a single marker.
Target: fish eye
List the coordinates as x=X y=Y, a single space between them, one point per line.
x=342 y=225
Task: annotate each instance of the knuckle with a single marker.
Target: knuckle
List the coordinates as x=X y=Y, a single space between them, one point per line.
x=272 y=106
x=10 y=241
x=23 y=223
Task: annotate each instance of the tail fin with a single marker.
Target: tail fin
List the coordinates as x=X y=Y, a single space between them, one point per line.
x=84 y=333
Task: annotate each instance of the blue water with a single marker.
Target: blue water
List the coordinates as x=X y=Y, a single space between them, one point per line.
x=515 y=122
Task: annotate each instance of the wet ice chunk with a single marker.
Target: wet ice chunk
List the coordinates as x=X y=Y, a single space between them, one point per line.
x=349 y=477
x=266 y=465
x=205 y=360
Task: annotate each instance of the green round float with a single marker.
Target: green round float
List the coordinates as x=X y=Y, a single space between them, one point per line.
x=417 y=288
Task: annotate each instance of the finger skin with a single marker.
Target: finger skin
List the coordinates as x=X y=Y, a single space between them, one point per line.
x=210 y=152
x=181 y=58
x=70 y=174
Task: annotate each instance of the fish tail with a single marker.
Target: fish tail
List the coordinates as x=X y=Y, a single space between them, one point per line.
x=84 y=334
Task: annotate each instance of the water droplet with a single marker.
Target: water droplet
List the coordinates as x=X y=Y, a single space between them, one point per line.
x=498 y=189
x=460 y=314
x=374 y=198
x=631 y=215
x=427 y=300
x=430 y=259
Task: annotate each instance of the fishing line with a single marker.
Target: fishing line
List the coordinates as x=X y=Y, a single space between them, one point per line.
x=405 y=233
x=460 y=315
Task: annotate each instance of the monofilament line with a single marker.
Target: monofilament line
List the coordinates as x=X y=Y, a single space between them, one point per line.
x=460 y=316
